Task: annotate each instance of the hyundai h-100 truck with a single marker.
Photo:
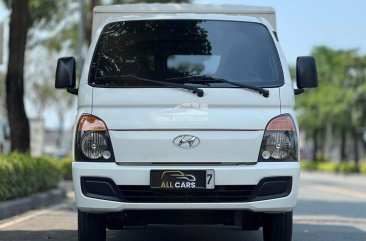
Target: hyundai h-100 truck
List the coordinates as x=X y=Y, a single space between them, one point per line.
x=185 y=116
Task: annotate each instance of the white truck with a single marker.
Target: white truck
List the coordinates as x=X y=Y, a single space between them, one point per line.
x=185 y=116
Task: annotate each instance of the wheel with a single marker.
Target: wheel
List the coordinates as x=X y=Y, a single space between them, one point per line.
x=277 y=227
x=91 y=227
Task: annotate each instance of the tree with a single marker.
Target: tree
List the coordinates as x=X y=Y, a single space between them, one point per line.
x=24 y=14
x=18 y=121
x=339 y=99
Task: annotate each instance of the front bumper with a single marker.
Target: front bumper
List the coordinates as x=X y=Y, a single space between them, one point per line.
x=224 y=175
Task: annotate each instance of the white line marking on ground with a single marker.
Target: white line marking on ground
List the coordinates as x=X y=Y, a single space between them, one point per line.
x=359 y=223
x=340 y=190
x=30 y=215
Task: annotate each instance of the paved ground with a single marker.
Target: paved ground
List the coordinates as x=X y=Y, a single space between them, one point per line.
x=330 y=208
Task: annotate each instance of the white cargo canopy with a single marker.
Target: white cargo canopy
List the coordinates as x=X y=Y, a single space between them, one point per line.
x=101 y=13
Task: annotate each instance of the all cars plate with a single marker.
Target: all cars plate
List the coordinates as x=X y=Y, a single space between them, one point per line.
x=182 y=179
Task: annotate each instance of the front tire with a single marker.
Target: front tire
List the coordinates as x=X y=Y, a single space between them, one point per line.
x=91 y=227
x=277 y=227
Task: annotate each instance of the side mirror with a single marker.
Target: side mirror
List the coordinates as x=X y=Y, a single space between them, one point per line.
x=65 y=74
x=306 y=73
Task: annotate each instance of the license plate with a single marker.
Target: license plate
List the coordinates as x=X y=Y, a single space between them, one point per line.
x=182 y=180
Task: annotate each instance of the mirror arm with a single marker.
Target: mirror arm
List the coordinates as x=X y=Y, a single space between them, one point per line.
x=73 y=91
x=299 y=91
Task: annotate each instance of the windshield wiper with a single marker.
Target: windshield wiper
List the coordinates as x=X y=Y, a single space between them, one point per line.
x=197 y=91
x=211 y=79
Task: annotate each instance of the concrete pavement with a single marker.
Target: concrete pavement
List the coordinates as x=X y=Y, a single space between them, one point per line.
x=331 y=207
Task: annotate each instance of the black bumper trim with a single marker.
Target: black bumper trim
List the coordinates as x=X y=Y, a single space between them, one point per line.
x=105 y=189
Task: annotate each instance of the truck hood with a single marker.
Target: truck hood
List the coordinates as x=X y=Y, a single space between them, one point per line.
x=144 y=124
x=176 y=109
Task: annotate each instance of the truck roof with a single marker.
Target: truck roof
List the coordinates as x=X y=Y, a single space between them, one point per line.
x=101 y=13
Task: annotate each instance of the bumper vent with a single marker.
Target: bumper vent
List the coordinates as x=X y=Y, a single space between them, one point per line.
x=143 y=194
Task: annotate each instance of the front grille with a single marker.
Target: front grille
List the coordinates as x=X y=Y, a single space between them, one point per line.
x=144 y=194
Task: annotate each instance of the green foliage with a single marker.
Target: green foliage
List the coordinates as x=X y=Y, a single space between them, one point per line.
x=64 y=166
x=327 y=166
x=347 y=167
x=334 y=167
x=339 y=99
x=68 y=33
x=334 y=101
x=363 y=168
x=42 y=10
x=320 y=166
x=308 y=165
x=23 y=175
x=320 y=158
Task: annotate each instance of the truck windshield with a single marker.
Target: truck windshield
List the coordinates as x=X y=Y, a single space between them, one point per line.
x=173 y=50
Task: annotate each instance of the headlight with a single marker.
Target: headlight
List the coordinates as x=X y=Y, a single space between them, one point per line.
x=93 y=145
x=279 y=141
x=92 y=140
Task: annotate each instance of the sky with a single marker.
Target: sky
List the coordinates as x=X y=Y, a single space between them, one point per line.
x=302 y=24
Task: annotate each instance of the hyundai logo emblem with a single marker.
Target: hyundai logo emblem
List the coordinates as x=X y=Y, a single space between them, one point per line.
x=186 y=141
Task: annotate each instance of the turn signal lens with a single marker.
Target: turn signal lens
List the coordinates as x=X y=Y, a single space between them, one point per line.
x=92 y=140
x=281 y=123
x=279 y=141
x=91 y=123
